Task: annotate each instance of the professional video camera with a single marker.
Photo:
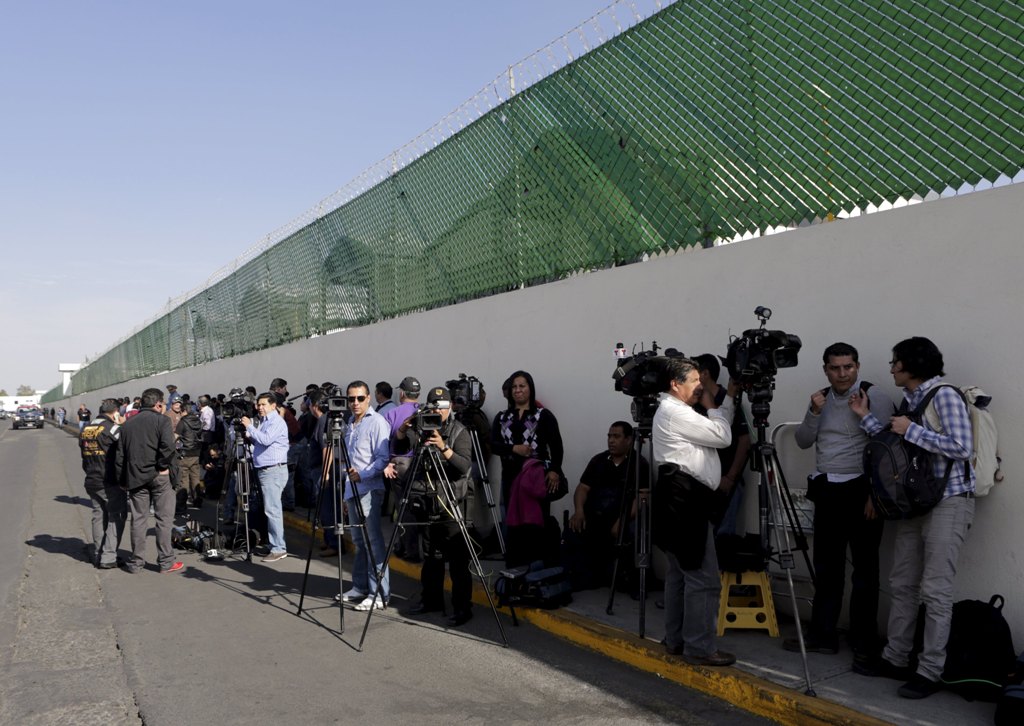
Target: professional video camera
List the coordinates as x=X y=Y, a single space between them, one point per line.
x=754 y=358
x=240 y=404
x=466 y=390
x=643 y=376
x=334 y=404
x=427 y=418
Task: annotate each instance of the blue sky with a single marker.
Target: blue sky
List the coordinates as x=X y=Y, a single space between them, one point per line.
x=144 y=145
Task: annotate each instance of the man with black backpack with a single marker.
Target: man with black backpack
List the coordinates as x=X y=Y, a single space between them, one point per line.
x=927 y=546
x=843 y=514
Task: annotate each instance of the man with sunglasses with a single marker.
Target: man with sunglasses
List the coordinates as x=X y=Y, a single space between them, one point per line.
x=367 y=438
x=270 y=459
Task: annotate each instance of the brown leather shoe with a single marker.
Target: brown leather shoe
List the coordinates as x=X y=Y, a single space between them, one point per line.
x=718 y=658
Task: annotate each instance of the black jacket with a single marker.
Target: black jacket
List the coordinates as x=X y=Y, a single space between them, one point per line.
x=98 y=442
x=190 y=434
x=146 y=447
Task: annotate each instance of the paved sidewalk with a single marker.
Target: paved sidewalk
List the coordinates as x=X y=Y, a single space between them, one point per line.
x=766 y=679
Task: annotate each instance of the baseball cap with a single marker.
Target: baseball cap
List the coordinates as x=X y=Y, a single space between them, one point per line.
x=409 y=385
x=438 y=394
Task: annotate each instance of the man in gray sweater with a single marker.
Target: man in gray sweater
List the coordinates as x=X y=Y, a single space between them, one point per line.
x=843 y=513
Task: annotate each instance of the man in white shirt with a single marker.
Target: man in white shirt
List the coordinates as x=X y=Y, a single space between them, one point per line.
x=689 y=470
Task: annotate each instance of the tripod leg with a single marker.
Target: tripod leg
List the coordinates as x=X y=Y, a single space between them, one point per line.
x=312 y=542
x=391 y=543
x=451 y=504
x=769 y=479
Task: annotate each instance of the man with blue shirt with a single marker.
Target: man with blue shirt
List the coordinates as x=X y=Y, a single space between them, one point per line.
x=367 y=439
x=926 y=548
x=270 y=460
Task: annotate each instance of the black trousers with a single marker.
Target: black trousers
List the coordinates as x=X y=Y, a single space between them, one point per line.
x=840 y=524
x=444 y=543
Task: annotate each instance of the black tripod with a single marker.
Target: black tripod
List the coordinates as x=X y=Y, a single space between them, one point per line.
x=430 y=461
x=485 y=484
x=241 y=467
x=642 y=539
x=774 y=497
x=332 y=478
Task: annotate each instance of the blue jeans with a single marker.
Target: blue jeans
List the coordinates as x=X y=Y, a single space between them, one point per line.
x=691 y=603
x=362 y=580
x=272 y=483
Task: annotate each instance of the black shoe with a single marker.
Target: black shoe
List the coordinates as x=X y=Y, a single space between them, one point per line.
x=811 y=645
x=460 y=617
x=228 y=522
x=718 y=658
x=881 y=668
x=918 y=687
x=423 y=608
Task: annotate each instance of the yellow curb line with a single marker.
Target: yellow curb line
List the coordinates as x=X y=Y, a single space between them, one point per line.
x=744 y=690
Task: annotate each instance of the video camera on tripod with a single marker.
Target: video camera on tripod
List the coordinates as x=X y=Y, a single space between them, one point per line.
x=240 y=404
x=466 y=390
x=643 y=376
x=427 y=418
x=334 y=404
x=755 y=357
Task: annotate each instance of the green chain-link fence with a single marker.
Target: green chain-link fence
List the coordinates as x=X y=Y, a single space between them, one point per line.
x=705 y=121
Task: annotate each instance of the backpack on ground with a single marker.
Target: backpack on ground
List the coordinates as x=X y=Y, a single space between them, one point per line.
x=533 y=585
x=902 y=475
x=985 y=458
x=979 y=654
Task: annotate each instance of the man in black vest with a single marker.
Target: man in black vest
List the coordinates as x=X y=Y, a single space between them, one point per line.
x=98 y=442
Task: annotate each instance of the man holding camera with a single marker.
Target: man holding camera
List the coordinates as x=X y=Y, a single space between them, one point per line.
x=449 y=447
x=270 y=459
x=689 y=470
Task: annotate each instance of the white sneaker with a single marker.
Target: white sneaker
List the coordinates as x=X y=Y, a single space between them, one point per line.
x=371 y=603
x=353 y=596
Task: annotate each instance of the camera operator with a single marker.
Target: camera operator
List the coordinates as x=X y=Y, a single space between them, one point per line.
x=443 y=538
x=685 y=451
x=270 y=459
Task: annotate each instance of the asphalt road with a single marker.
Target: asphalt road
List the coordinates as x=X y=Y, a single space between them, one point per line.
x=221 y=643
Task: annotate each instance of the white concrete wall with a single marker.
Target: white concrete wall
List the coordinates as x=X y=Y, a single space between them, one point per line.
x=949 y=270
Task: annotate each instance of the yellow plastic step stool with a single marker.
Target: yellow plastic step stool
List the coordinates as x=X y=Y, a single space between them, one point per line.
x=752 y=607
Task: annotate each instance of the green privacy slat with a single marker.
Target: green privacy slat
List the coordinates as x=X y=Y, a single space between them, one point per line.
x=707 y=120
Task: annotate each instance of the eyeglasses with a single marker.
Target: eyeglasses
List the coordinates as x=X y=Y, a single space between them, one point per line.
x=358 y=399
